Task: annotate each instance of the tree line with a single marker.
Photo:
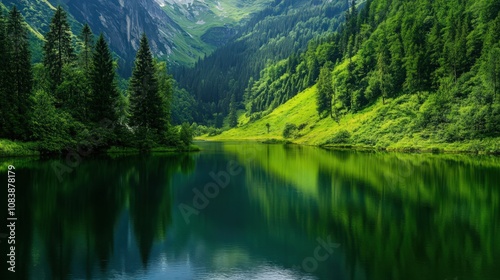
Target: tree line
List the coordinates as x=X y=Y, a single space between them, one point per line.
x=59 y=102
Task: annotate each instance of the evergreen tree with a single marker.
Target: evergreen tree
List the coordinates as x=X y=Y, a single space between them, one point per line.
x=3 y=78
x=233 y=118
x=165 y=89
x=324 y=95
x=58 y=49
x=146 y=104
x=455 y=45
x=20 y=76
x=87 y=45
x=382 y=68
x=493 y=69
x=104 y=94
x=396 y=66
x=186 y=135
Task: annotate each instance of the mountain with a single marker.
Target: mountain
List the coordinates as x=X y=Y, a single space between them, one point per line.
x=212 y=23
x=278 y=31
x=179 y=31
x=401 y=75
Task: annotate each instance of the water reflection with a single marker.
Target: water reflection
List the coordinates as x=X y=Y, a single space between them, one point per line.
x=394 y=216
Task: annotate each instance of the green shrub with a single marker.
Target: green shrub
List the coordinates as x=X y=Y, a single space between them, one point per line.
x=290 y=130
x=186 y=135
x=212 y=131
x=302 y=126
x=341 y=137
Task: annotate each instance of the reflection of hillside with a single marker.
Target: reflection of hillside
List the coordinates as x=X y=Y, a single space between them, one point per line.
x=418 y=216
x=75 y=218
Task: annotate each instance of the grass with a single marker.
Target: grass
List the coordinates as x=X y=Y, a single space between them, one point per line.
x=391 y=126
x=15 y=149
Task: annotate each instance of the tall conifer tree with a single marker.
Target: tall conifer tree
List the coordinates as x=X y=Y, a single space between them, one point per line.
x=146 y=104
x=324 y=95
x=233 y=117
x=20 y=76
x=104 y=94
x=87 y=45
x=3 y=77
x=58 y=49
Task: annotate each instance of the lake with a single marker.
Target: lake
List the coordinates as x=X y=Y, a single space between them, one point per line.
x=241 y=210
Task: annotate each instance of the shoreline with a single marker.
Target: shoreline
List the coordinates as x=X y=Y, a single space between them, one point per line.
x=15 y=149
x=432 y=149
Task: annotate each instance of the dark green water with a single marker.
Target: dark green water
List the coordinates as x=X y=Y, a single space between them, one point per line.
x=268 y=212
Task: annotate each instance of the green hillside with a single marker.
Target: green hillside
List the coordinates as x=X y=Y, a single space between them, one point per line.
x=382 y=126
x=273 y=34
x=406 y=75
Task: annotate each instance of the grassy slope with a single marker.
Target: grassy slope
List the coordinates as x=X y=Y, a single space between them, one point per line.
x=390 y=126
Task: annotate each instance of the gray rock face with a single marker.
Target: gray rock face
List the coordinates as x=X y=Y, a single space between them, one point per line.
x=182 y=30
x=123 y=21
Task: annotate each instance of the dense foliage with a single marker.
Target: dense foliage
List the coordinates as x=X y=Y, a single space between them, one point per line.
x=16 y=77
x=446 y=53
x=284 y=28
x=72 y=99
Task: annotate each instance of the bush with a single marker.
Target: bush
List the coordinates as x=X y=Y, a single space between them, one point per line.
x=302 y=126
x=186 y=135
x=145 y=139
x=341 y=137
x=212 y=131
x=290 y=130
x=255 y=116
x=171 y=137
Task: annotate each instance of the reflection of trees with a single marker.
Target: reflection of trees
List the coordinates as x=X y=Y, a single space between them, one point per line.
x=400 y=216
x=76 y=218
x=150 y=199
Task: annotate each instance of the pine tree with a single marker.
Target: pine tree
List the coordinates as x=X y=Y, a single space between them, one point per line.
x=324 y=95
x=233 y=118
x=382 y=68
x=492 y=65
x=3 y=77
x=186 y=134
x=146 y=106
x=58 y=49
x=165 y=88
x=20 y=76
x=87 y=45
x=104 y=94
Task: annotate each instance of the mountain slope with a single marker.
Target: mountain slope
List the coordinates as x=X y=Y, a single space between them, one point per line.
x=409 y=75
x=381 y=126
x=276 y=32
x=168 y=24
x=213 y=22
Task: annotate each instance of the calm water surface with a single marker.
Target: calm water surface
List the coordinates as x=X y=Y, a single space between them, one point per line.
x=252 y=211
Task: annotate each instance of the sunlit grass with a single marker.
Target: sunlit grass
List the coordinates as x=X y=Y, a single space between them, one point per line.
x=392 y=126
x=10 y=149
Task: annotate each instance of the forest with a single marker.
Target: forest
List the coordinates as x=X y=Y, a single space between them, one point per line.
x=425 y=71
x=282 y=29
x=72 y=98
x=435 y=64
